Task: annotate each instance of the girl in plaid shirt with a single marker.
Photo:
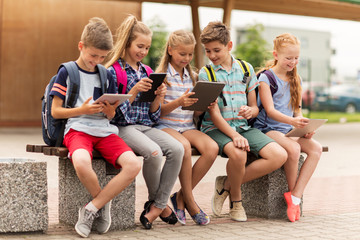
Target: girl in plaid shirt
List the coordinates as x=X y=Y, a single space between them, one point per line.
x=135 y=121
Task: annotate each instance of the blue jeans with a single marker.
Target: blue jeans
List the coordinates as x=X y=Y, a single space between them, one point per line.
x=153 y=144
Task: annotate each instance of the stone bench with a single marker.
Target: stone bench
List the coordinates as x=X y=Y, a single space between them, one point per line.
x=23 y=195
x=262 y=197
x=73 y=195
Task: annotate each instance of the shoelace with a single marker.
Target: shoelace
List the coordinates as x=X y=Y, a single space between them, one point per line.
x=89 y=217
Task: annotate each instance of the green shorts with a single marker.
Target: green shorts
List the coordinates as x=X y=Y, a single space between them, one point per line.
x=257 y=140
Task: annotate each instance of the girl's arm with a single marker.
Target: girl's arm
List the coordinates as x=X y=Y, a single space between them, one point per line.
x=268 y=104
x=183 y=101
x=59 y=112
x=143 y=85
x=218 y=120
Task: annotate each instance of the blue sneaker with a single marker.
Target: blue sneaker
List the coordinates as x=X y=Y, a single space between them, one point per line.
x=180 y=214
x=201 y=218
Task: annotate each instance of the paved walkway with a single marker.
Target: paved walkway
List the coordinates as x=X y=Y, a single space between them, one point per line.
x=331 y=207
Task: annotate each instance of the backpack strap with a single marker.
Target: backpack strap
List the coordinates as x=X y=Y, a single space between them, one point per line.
x=73 y=88
x=272 y=81
x=148 y=70
x=245 y=68
x=103 y=77
x=121 y=77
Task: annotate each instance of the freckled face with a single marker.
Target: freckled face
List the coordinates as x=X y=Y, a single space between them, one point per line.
x=288 y=57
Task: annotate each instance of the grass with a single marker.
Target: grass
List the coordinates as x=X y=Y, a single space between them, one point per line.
x=334 y=117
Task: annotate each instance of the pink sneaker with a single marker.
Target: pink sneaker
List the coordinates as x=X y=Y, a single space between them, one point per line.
x=291 y=208
x=297 y=213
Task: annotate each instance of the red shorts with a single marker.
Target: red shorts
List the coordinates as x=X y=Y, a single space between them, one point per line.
x=110 y=147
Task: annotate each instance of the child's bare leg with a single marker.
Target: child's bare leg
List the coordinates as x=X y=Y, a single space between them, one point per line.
x=131 y=166
x=313 y=149
x=82 y=163
x=273 y=157
x=235 y=169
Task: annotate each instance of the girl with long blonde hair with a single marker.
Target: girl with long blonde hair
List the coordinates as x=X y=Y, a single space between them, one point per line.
x=281 y=112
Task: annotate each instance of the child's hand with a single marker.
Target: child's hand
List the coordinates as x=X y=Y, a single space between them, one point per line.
x=212 y=105
x=91 y=108
x=309 y=135
x=109 y=109
x=185 y=99
x=241 y=142
x=161 y=91
x=143 y=85
x=245 y=112
x=299 y=122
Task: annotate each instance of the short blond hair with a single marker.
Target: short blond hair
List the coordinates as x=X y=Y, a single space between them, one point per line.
x=97 y=34
x=215 y=31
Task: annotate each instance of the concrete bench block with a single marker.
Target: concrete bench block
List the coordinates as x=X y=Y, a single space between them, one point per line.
x=73 y=195
x=264 y=197
x=23 y=195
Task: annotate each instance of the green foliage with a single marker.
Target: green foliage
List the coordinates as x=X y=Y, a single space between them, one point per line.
x=158 y=42
x=335 y=117
x=254 y=49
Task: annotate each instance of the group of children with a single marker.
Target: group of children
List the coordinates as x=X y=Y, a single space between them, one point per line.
x=161 y=128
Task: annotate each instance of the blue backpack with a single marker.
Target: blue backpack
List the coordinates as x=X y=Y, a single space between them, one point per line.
x=53 y=129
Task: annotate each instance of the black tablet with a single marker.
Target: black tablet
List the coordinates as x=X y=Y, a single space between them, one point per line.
x=149 y=96
x=206 y=92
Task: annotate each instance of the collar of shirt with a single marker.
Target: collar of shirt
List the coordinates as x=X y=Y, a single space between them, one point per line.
x=173 y=72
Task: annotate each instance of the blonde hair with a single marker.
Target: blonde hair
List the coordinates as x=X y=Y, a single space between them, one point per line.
x=280 y=42
x=215 y=31
x=97 y=34
x=177 y=38
x=125 y=35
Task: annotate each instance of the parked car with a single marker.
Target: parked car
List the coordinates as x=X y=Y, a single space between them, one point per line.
x=343 y=98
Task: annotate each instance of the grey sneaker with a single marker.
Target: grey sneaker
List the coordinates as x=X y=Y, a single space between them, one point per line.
x=103 y=222
x=85 y=222
x=220 y=194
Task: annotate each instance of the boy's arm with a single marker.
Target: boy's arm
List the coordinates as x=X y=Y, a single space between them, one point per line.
x=251 y=110
x=59 y=112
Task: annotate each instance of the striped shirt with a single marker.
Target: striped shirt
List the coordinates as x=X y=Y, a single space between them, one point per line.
x=137 y=112
x=178 y=119
x=235 y=93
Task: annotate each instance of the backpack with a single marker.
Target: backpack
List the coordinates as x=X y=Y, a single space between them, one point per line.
x=273 y=89
x=53 y=129
x=121 y=76
x=212 y=77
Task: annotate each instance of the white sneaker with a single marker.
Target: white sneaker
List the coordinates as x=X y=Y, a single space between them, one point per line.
x=220 y=194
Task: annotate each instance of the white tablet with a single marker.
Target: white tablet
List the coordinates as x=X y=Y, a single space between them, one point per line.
x=113 y=97
x=310 y=127
x=206 y=92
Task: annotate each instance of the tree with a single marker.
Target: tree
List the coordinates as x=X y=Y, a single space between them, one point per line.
x=254 y=49
x=158 y=42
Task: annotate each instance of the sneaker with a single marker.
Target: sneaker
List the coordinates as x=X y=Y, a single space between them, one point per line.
x=180 y=214
x=220 y=194
x=85 y=222
x=201 y=218
x=237 y=211
x=291 y=208
x=104 y=219
x=298 y=211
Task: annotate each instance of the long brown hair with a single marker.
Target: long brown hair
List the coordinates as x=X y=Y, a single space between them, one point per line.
x=175 y=39
x=280 y=42
x=125 y=35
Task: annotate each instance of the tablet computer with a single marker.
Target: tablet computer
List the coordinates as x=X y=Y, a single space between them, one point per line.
x=206 y=92
x=112 y=98
x=310 y=127
x=149 y=96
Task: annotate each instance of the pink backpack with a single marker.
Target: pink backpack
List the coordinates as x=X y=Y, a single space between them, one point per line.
x=122 y=76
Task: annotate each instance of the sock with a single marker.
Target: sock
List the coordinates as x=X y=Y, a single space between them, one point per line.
x=90 y=206
x=295 y=200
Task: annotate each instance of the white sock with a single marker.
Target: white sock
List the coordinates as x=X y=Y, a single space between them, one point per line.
x=90 y=206
x=295 y=200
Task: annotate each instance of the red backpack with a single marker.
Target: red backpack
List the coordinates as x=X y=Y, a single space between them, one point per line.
x=122 y=76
